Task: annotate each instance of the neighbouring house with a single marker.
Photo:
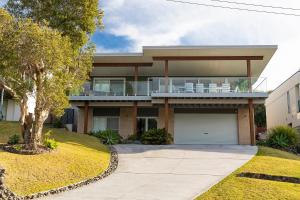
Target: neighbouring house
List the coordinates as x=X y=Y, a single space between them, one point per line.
x=283 y=104
x=9 y=108
x=199 y=94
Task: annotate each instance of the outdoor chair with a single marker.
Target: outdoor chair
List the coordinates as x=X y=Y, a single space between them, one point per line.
x=212 y=87
x=189 y=87
x=225 y=87
x=199 y=88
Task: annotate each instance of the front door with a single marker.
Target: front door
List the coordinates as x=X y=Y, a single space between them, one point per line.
x=144 y=124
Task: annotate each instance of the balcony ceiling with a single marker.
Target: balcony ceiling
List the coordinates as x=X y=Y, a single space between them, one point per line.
x=187 y=67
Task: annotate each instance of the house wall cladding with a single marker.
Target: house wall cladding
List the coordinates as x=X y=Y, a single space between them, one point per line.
x=126 y=123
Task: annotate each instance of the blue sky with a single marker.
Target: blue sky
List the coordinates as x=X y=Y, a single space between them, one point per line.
x=110 y=41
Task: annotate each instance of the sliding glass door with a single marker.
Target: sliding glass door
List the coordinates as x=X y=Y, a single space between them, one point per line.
x=145 y=123
x=105 y=123
x=109 y=86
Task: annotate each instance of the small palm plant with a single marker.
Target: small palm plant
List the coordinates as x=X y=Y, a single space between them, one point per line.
x=109 y=137
x=283 y=137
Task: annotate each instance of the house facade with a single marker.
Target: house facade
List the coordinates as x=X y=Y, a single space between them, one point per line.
x=9 y=108
x=199 y=94
x=283 y=104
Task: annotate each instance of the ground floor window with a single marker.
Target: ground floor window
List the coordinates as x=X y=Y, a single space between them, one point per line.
x=105 y=123
x=146 y=123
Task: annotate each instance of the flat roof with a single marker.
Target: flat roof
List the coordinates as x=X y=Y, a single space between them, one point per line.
x=236 y=67
x=210 y=46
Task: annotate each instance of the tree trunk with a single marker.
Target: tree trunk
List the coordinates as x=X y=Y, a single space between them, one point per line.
x=26 y=123
x=41 y=111
x=23 y=114
x=28 y=132
x=40 y=117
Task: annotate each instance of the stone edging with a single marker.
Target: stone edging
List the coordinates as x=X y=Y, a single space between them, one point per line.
x=5 y=193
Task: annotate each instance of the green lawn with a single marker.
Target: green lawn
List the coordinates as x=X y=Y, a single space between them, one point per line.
x=267 y=161
x=78 y=157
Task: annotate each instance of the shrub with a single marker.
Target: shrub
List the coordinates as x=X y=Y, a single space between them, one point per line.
x=18 y=147
x=298 y=148
x=57 y=123
x=132 y=137
x=283 y=137
x=261 y=143
x=109 y=137
x=156 y=136
x=14 y=139
x=50 y=142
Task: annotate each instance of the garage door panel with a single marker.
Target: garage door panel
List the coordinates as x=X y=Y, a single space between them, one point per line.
x=205 y=129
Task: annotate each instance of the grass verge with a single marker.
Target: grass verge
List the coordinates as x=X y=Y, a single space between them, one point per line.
x=267 y=161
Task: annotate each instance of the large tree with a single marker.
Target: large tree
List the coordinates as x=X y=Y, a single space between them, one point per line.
x=77 y=19
x=40 y=63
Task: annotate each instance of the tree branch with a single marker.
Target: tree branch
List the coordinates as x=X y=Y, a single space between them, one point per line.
x=8 y=89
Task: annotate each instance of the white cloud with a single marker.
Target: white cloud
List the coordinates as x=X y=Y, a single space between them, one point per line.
x=158 y=22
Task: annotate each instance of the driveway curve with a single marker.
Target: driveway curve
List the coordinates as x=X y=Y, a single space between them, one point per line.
x=177 y=172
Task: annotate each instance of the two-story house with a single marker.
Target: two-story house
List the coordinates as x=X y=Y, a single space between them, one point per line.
x=283 y=104
x=199 y=94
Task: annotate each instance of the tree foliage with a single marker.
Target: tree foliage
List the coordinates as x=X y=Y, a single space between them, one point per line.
x=40 y=62
x=74 y=18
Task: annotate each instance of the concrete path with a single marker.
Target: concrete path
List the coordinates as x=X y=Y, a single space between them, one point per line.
x=164 y=172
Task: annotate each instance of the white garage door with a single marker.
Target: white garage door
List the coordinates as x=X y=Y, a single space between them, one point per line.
x=205 y=129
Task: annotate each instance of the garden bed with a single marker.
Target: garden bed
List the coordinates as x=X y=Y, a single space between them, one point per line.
x=270 y=177
x=20 y=149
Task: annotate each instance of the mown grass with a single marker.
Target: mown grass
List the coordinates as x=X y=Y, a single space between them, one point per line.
x=267 y=161
x=78 y=157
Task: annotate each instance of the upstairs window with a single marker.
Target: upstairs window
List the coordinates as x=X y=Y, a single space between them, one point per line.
x=297 y=97
x=288 y=102
x=109 y=86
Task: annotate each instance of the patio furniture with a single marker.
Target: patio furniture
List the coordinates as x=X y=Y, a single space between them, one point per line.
x=225 y=87
x=199 y=88
x=189 y=87
x=212 y=87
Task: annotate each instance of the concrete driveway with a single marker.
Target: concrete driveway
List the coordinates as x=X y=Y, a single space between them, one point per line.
x=164 y=172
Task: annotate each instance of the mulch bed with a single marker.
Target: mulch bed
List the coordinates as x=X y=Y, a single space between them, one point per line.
x=270 y=177
x=20 y=149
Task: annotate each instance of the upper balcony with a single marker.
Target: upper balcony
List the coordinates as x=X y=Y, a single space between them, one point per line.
x=210 y=87
x=107 y=89
x=179 y=72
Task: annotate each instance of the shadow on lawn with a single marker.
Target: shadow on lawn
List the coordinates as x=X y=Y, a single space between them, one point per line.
x=61 y=135
x=276 y=153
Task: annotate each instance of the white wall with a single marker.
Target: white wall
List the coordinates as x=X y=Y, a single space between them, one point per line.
x=277 y=105
x=13 y=111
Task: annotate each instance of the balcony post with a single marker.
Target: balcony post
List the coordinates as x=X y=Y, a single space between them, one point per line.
x=134 y=113
x=134 y=116
x=249 y=74
x=166 y=75
x=167 y=115
x=136 y=71
x=251 y=121
x=250 y=105
x=86 y=116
